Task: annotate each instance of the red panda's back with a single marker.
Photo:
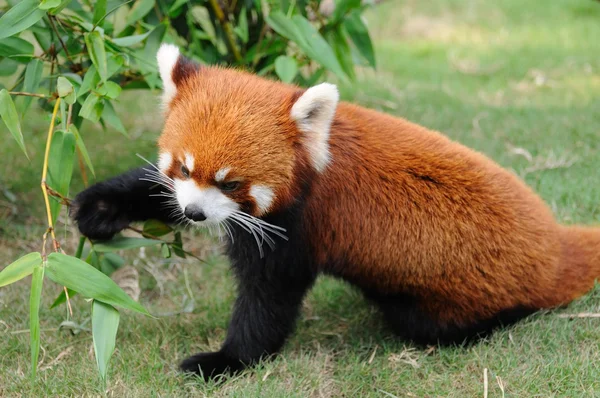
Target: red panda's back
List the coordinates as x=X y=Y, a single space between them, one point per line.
x=404 y=209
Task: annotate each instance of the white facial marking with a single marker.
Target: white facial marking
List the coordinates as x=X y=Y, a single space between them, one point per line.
x=189 y=162
x=313 y=113
x=215 y=206
x=263 y=195
x=167 y=57
x=221 y=174
x=165 y=160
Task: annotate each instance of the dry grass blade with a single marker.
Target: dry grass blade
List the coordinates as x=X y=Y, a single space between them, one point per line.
x=580 y=315
x=485 y=383
x=128 y=279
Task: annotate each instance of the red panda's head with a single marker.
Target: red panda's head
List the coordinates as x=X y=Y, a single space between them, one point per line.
x=236 y=143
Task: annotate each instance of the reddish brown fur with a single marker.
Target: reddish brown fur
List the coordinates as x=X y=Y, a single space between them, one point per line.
x=412 y=211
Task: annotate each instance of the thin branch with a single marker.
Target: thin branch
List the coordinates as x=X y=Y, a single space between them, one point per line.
x=227 y=29
x=59 y=38
x=27 y=94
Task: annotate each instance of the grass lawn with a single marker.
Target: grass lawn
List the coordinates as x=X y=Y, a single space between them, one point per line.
x=518 y=81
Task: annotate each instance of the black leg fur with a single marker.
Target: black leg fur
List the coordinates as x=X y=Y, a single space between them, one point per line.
x=108 y=207
x=409 y=322
x=270 y=294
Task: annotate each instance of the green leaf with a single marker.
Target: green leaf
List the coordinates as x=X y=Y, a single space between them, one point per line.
x=359 y=35
x=242 y=28
x=20 y=268
x=8 y=67
x=35 y=296
x=165 y=251
x=16 y=48
x=286 y=68
x=110 y=116
x=8 y=112
x=105 y=323
x=99 y=12
x=342 y=7
x=174 y=9
x=90 y=81
x=66 y=90
x=110 y=262
x=82 y=149
x=156 y=228
x=63 y=4
x=109 y=89
x=202 y=16
x=62 y=297
x=48 y=4
x=128 y=41
x=60 y=167
x=95 y=46
x=114 y=63
x=139 y=11
x=284 y=26
x=20 y=17
x=121 y=243
x=92 y=108
x=299 y=30
x=33 y=77
x=317 y=48
x=342 y=50
x=88 y=281
x=177 y=246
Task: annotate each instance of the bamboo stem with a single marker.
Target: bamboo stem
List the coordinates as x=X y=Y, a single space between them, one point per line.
x=45 y=174
x=227 y=29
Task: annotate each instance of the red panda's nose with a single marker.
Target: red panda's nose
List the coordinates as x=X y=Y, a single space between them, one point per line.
x=194 y=213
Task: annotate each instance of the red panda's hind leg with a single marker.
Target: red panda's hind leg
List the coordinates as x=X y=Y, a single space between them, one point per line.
x=410 y=322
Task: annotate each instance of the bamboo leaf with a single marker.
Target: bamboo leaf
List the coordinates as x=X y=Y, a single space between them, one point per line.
x=16 y=48
x=62 y=297
x=105 y=323
x=33 y=77
x=286 y=68
x=60 y=167
x=20 y=17
x=109 y=115
x=8 y=112
x=37 y=283
x=128 y=41
x=156 y=228
x=66 y=90
x=95 y=45
x=92 y=108
x=82 y=148
x=20 y=268
x=121 y=243
x=88 y=281
x=48 y=4
x=99 y=12
x=139 y=11
x=359 y=35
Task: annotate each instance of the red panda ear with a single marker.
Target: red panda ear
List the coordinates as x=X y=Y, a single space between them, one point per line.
x=313 y=113
x=174 y=69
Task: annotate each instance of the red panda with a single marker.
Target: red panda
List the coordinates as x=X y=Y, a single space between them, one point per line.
x=446 y=242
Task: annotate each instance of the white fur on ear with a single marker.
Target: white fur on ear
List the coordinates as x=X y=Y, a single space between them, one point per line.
x=313 y=113
x=167 y=57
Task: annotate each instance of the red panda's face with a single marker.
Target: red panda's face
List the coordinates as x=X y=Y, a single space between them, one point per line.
x=233 y=143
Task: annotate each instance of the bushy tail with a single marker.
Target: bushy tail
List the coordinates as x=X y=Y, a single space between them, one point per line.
x=580 y=262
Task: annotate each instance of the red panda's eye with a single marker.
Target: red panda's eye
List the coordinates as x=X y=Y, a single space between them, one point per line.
x=185 y=171
x=229 y=186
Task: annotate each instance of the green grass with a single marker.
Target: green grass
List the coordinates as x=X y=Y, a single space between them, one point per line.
x=493 y=75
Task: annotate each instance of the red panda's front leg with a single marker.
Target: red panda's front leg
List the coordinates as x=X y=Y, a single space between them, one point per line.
x=270 y=295
x=108 y=207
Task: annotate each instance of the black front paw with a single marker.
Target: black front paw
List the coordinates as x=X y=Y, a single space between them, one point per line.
x=98 y=213
x=210 y=365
